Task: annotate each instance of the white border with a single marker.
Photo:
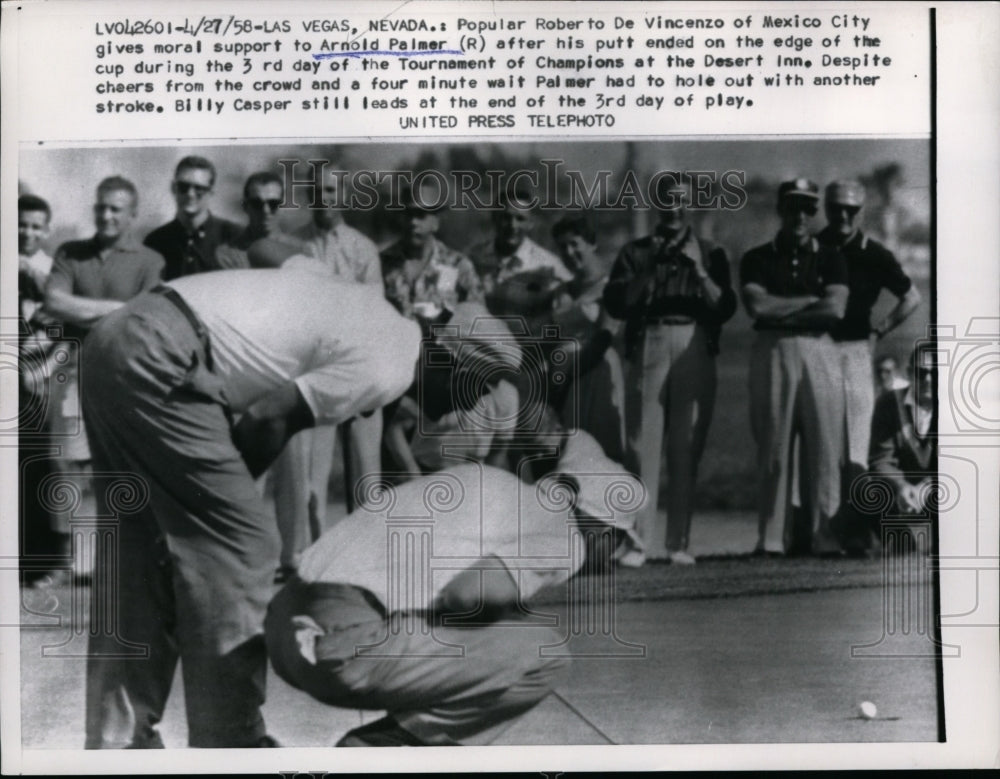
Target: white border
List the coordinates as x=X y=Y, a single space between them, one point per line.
x=968 y=114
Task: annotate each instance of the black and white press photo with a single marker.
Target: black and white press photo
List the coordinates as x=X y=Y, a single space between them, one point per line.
x=521 y=443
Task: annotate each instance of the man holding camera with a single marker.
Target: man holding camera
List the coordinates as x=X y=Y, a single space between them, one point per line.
x=674 y=292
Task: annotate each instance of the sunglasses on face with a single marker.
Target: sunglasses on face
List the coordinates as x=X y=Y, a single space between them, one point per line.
x=185 y=186
x=260 y=204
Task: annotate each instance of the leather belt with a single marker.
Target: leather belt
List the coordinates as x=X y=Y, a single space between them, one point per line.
x=786 y=331
x=674 y=319
x=199 y=329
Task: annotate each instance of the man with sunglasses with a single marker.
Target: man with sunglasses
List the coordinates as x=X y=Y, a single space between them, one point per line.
x=796 y=291
x=263 y=194
x=188 y=242
x=870 y=268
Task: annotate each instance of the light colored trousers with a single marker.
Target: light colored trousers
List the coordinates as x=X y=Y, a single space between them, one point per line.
x=796 y=389
x=670 y=392
x=859 y=399
x=301 y=477
x=445 y=685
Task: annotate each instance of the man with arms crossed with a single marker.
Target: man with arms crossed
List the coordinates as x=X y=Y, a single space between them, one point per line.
x=90 y=279
x=796 y=291
x=285 y=349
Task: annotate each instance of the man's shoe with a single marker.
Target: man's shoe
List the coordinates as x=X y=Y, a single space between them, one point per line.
x=680 y=557
x=385 y=732
x=148 y=739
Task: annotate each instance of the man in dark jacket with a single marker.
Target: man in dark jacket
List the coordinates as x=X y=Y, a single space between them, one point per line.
x=674 y=292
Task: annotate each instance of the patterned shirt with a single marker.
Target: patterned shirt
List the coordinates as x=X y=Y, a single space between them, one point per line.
x=442 y=280
x=654 y=277
x=495 y=268
x=348 y=253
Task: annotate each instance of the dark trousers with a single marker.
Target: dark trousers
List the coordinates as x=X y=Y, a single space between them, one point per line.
x=195 y=563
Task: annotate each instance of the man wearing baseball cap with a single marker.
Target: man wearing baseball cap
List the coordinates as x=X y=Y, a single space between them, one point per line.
x=796 y=291
x=870 y=269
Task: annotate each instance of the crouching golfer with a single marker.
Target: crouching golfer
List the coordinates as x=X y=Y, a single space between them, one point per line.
x=163 y=379
x=413 y=607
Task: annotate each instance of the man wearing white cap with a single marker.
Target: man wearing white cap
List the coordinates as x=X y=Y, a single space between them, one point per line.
x=871 y=267
x=164 y=377
x=796 y=291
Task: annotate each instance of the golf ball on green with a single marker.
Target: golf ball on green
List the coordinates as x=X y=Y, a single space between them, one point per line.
x=867 y=710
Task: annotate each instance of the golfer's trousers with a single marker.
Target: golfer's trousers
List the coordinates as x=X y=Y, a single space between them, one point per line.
x=446 y=685
x=194 y=564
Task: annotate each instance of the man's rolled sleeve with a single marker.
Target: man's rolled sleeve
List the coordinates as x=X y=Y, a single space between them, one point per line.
x=352 y=384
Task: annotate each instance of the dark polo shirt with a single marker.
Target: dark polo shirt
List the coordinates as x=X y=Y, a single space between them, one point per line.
x=191 y=252
x=786 y=272
x=117 y=272
x=870 y=269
